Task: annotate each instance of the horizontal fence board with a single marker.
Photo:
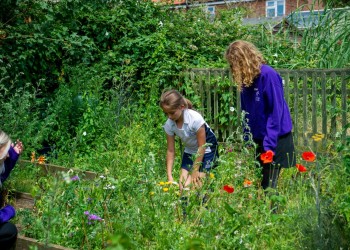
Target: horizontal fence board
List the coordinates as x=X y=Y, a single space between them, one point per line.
x=318 y=100
x=25 y=243
x=55 y=169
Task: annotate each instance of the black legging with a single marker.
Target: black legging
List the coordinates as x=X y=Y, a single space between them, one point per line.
x=284 y=158
x=8 y=236
x=270 y=176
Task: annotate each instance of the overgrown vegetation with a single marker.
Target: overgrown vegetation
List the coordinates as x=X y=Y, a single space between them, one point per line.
x=81 y=81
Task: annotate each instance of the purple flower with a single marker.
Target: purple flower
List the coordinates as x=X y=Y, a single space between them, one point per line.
x=75 y=178
x=94 y=217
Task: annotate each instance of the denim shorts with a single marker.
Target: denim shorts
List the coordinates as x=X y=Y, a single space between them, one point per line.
x=209 y=161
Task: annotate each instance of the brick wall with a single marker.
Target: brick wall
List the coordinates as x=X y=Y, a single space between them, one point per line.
x=258 y=7
x=302 y=5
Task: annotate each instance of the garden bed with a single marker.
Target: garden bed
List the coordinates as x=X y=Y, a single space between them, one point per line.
x=133 y=208
x=25 y=243
x=55 y=169
x=25 y=201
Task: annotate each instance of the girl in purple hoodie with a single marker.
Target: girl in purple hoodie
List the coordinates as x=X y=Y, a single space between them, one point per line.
x=9 y=155
x=267 y=113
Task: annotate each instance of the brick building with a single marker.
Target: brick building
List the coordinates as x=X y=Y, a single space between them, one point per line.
x=256 y=8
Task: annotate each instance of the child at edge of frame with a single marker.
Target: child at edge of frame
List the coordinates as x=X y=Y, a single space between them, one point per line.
x=9 y=154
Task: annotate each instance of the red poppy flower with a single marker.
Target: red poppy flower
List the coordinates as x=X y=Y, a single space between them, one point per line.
x=228 y=189
x=309 y=156
x=301 y=168
x=267 y=157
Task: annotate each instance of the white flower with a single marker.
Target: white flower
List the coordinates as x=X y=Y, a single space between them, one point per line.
x=275 y=55
x=84 y=133
x=232 y=109
x=193 y=47
x=102 y=177
x=106 y=34
x=109 y=186
x=161 y=24
x=66 y=177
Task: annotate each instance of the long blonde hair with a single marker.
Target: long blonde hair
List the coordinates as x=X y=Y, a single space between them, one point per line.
x=5 y=143
x=245 y=61
x=172 y=99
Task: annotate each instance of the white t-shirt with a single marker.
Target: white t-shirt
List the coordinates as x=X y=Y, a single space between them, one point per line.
x=188 y=133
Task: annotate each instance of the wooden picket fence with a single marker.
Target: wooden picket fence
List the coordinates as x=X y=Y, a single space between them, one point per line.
x=318 y=101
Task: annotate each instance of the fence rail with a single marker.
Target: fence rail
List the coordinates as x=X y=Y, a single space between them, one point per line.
x=318 y=100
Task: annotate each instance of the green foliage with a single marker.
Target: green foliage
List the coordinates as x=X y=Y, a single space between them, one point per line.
x=21 y=111
x=129 y=47
x=140 y=210
x=83 y=79
x=342 y=200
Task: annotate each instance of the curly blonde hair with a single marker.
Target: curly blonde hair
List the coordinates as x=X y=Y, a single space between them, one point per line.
x=245 y=61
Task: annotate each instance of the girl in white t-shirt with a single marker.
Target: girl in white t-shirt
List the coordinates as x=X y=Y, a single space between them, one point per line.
x=199 y=140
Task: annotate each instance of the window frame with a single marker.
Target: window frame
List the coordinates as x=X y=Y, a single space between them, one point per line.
x=274 y=7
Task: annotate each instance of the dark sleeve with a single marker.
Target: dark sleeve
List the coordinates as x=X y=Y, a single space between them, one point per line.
x=10 y=163
x=7 y=213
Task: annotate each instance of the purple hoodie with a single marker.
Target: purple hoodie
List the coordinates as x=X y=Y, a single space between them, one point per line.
x=10 y=163
x=267 y=111
x=8 y=212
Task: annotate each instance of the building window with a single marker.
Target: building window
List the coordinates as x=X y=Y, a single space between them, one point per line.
x=275 y=8
x=211 y=12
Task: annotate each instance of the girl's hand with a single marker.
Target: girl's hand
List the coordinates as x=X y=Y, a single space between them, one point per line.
x=170 y=179
x=18 y=147
x=196 y=179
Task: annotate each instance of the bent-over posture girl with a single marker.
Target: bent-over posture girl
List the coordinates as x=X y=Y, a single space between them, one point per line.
x=200 y=143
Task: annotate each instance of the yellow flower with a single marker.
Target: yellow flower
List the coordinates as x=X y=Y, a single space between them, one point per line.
x=165 y=189
x=151 y=193
x=212 y=176
x=162 y=183
x=167 y=183
x=317 y=137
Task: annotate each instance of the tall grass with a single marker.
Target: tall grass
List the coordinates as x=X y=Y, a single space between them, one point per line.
x=318 y=40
